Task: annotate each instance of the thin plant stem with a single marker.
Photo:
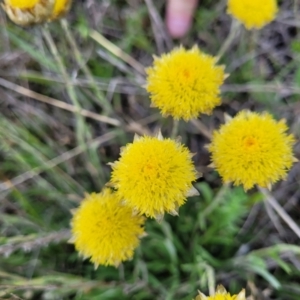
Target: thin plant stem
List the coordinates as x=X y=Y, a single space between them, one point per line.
x=118 y=52
x=202 y=128
x=62 y=158
x=296 y=8
x=102 y=99
x=216 y=201
x=175 y=129
x=161 y=36
x=211 y=279
x=253 y=41
x=70 y=88
x=296 y=13
x=281 y=212
x=57 y=103
x=235 y=26
x=82 y=132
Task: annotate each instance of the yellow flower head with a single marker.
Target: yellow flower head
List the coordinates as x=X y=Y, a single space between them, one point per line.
x=253 y=13
x=61 y=7
x=154 y=175
x=185 y=83
x=28 y=12
x=252 y=149
x=106 y=230
x=22 y=3
x=221 y=294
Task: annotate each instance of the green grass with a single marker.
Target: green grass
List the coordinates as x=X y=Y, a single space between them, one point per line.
x=50 y=157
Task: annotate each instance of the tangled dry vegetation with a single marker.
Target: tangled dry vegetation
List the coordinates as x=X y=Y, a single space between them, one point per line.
x=71 y=96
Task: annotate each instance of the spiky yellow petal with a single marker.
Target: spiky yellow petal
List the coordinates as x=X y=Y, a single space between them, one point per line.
x=154 y=175
x=61 y=7
x=222 y=294
x=252 y=149
x=22 y=3
x=185 y=83
x=253 y=13
x=105 y=230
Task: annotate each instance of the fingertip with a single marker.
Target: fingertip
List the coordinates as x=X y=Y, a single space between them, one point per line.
x=179 y=14
x=178 y=25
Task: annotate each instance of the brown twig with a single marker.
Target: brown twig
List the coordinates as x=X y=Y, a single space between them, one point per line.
x=104 y=42
x=281 y=212
x=56 y=161
x=202 y=128
x=34 y=241
x=54 y=102
x=158 y=28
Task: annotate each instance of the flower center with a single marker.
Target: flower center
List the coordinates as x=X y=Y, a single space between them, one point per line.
x=150 y=169
x=250 y=142
x=23 y=4
x=186 y=73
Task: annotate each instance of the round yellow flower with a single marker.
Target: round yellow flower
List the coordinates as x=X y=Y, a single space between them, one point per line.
x=185 y=83
x=28 y=12
x=61 y=7
x=154 y=175
x=253 y=13
x=221 y=294
x=22 y=3
x=106 y=230
x=252 y=149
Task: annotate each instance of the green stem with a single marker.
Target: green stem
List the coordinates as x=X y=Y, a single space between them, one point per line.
x=103 y=101
x=235 y=26
x=216 y=201
x=82 y=132
x=175 y=129
x=70 y=88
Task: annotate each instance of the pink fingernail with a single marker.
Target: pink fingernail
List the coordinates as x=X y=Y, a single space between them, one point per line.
x=178 y=25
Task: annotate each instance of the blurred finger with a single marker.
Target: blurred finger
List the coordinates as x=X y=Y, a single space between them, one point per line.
x=179 y=15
